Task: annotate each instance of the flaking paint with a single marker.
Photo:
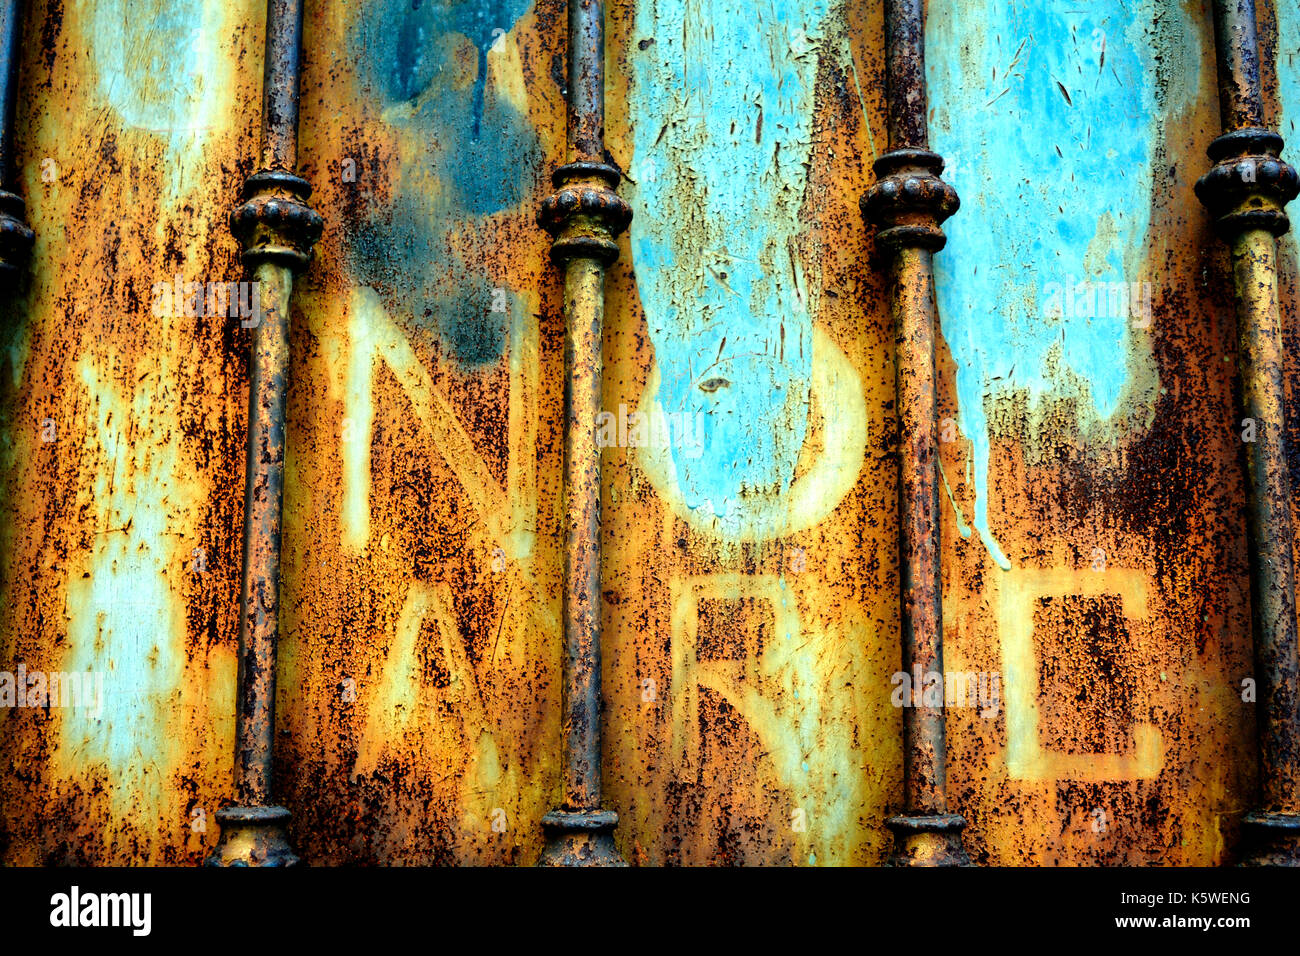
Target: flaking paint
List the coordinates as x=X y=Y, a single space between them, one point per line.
x=418 y=685
x=720 y=176
x=1060 y=136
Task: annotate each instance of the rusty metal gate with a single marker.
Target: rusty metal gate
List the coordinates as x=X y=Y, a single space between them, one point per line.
x=648 y=431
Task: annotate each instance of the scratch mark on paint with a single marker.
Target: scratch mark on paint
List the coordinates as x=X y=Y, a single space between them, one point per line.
x=962 y=527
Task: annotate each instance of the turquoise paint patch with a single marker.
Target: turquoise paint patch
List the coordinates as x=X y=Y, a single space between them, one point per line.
x=126 y=644
x=725 y=95
x=1288 y=83
x=1051 y=151
x=153 y=64
x=479 y=156
x=119 y=607
x=1288 y=68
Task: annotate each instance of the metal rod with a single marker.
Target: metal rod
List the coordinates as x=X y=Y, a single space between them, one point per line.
x=1237 y=57
x=11 y=26
x=908 y=203
x=283 y=66
x=918 y=511
x=263 y=508
x=1247 y=191
x=277 y=230
x=1261 y=359
x=584 y=306
x=585 y=216
x=905 y=74
x=16 y=238
x=586 y=99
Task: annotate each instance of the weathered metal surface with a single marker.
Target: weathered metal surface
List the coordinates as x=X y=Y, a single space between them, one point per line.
x=751 y=580
x=749 y=593
x=585 y=217
x=1246 y=191
x=277 y=230
x=1094 y=540
x=1279 y=22
x=281 y=72
x=263 y=502
x=122 y=428
x=420 y=689
x=1236 y=55
x=1273 y=830
x=908 y=203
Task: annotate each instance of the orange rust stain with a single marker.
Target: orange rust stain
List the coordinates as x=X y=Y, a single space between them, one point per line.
x=747 y=683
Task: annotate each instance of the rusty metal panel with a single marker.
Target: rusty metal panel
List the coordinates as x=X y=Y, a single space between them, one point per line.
x=421 y=643
x=1091 y=475
x=754 y=576
x=121 y=428
x=1097 y=556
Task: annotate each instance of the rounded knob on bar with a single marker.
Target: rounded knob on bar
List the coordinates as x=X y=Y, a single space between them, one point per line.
x=274 y=222
x=1249 y=184
x=16 y=237
x=585 y=214
x=909 y=201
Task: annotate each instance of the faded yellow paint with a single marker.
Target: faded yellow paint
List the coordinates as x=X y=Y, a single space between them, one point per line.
x=1015 y=598
x=748 y=714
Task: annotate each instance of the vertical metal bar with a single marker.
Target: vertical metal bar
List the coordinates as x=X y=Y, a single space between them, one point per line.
x=905 y=75
x=1236 y=54
x=282 y=68
x=15 y=237
x=584 y=292
x=585 y=109
x=277 y=231
x=1247 y=191
x=907 y=204
x=585 y=216
x=10 y=57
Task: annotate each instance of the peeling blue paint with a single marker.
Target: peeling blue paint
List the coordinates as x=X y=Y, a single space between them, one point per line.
x=1046 y=112
x=1288 y=79
x=719 y=174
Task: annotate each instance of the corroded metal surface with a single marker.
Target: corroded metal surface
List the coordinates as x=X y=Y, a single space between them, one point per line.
x=263 y=503
x=1247 y=191
x=926 y=833
x=420 y=684
x=751 y=585
x=1094 y=552
x=585 y=216
x=908 y=204
x=277 y=230
x=123 y=429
